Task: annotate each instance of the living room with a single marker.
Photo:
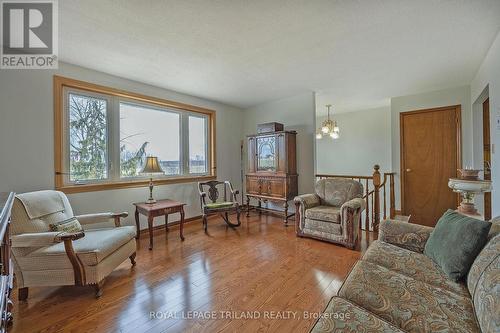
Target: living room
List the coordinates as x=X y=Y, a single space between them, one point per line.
x=278 y=166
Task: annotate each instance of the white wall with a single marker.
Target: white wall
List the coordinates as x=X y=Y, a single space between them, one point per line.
x=477 y=143
x=296 y=113
x=27 y=140
x=365 y=140
x=453 y=96
x=487 y=80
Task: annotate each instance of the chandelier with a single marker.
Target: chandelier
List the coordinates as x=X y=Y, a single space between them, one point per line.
x=329 y=127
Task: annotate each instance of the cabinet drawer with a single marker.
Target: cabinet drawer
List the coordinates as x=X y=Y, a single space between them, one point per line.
x=266 y=186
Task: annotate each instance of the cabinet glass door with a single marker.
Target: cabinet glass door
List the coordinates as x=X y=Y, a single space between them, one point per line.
x=266 y=153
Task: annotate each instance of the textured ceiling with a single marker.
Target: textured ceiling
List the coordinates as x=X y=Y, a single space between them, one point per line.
x=244 y=53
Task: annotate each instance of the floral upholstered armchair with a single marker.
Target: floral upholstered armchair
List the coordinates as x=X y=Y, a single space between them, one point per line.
x=331 y=214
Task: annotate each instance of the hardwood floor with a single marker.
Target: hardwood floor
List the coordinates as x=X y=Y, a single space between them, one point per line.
x=260 y=267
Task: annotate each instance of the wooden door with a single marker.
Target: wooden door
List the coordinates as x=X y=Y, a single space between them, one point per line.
x=487 y=156
x=430 y=155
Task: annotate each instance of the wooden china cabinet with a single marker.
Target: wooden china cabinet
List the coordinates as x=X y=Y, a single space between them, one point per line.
x=272 y=167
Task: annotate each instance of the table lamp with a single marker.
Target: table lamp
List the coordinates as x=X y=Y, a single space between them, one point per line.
x=151 y=168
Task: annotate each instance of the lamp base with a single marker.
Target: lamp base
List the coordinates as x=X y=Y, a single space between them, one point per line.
x=151 y=200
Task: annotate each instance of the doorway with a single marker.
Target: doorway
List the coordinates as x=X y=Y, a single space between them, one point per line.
x=430 y=155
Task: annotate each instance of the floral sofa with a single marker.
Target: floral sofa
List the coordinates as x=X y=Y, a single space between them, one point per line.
x=396 y=288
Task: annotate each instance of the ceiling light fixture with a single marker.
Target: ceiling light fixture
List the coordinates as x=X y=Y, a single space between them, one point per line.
x=328 y=127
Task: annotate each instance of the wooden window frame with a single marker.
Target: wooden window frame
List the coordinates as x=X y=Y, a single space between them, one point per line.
x=60 y=83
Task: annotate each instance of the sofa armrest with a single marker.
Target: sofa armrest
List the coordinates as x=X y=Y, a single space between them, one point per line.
x=88 y=219
x=403 y=234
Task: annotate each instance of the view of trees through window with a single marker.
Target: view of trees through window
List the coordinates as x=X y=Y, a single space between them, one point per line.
x=144 y=131
x=87 y=138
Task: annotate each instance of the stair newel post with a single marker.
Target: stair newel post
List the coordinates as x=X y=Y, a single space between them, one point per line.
x=376 y=197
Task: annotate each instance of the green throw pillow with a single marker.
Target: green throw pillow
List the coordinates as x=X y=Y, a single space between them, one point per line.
x=69 y=225
x=455 y=242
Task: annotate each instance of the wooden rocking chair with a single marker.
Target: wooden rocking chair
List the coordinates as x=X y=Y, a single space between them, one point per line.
x=219 y=207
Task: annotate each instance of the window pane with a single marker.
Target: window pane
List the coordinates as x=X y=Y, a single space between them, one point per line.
x=87 y=138
x=148 y=132
x=197 y=144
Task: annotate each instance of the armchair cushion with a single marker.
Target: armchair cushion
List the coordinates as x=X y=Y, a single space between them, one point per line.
x=325 y=229
x=91 y=249
x=69 y=225
x=216 y=205
x=324 y=213
x=336 y=191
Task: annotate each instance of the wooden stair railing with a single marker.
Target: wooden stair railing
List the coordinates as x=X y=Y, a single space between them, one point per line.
x=373 y=187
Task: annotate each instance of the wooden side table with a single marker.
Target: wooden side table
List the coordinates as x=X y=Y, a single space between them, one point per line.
x=160 y=208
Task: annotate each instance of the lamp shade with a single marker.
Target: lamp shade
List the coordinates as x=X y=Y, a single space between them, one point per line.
x=152 y=166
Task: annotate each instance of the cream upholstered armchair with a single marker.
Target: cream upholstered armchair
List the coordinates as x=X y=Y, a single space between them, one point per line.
x=52 y=258
x=331 y=214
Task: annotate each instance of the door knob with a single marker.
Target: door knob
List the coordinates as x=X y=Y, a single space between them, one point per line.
x=408 y=170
